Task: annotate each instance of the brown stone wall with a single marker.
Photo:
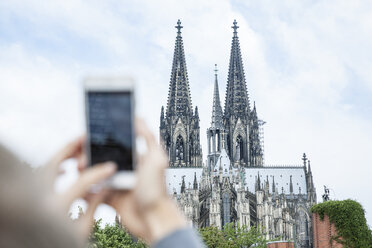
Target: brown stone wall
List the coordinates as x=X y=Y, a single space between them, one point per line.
x=323 y=231
x=281 y=244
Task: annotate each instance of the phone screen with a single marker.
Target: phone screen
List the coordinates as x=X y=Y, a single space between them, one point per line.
x=110 y=127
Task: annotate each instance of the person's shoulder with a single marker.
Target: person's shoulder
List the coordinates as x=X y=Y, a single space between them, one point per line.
x=185 y=237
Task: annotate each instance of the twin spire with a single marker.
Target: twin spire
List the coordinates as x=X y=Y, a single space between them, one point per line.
x=236 y=100
x=179 y=99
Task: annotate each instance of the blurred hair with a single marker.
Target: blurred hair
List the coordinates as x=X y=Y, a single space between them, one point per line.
x=25 y=218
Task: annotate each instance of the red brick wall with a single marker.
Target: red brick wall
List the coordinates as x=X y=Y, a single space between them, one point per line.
x=284 y=244
x=323 y=231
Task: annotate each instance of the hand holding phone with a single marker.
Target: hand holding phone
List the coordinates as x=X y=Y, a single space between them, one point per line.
x=148 y=211
x=110 y=124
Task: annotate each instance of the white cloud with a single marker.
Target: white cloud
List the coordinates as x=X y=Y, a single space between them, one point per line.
x=40 y=104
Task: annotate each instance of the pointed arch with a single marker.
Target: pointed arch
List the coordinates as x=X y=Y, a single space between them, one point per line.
x=302 y=227
x=191 y=147
x=180 y=148
x=239 y=143
x=226 y=207
x=239 y=148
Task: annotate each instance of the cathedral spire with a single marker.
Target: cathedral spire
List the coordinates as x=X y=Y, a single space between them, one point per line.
x=179 y=99
x=254 y=114
x=217 y=114
x=236 y=101
x=273 y=186
x=311 y=192
x=304 y=159
x=290 y=185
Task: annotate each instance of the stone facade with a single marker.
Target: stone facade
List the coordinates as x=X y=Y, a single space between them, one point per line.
x=234 y=185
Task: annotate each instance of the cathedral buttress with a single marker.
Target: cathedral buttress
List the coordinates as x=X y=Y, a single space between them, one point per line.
x=255 y=158
x=179 y=126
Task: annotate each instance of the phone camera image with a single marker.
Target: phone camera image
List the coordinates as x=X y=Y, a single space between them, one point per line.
x=110 y=128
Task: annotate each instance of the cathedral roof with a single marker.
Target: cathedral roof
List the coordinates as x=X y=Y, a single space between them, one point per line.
x=282 y=177
x=173 y=178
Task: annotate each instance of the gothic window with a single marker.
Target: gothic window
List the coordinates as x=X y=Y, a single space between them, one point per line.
x=180 y=149
x=302 y=235
x=191 y=150
x=229 y=148
x=239 y=149
x=226 y=208
x=167 y=145
x=217 y=138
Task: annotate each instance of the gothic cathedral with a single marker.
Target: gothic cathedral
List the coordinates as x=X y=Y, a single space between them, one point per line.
x=234 y=185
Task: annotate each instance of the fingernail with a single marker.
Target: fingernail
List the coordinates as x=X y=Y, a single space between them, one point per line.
x=110 y=166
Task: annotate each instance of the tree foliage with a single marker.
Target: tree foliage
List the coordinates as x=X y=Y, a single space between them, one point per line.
x=230 y=236
x=233 y=236
x=112 y=236
x=350 y=222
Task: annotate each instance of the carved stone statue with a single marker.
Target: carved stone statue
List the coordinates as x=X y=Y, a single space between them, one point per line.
x=325 y=196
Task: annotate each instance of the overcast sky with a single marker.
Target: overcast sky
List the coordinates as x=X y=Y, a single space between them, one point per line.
x=307 y=65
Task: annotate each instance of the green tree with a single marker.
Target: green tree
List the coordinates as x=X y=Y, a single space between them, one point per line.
x=350 y=222
x=230 y=236
x=112 y=236
x=233 y=236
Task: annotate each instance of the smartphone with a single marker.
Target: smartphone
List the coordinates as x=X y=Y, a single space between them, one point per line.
x=110 y=127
